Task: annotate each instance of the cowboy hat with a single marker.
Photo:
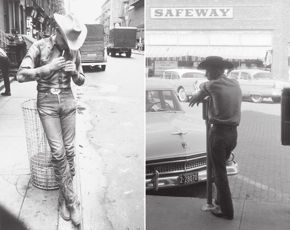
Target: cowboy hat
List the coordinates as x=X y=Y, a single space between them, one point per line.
x=215 y=62
x=74 y=32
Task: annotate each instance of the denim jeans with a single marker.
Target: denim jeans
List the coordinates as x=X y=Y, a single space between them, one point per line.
x=222 y=141
x=57 y=114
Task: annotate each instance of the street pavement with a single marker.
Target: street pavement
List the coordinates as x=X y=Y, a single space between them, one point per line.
x=261 y=190
x=109 y=146
x=112 y=136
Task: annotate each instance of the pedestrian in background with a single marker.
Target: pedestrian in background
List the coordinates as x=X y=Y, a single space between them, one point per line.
x=224 y=114
x=20 y=45
x=53 y=62
x=4 y=65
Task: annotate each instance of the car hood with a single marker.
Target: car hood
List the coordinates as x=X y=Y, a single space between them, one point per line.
x=173 y=134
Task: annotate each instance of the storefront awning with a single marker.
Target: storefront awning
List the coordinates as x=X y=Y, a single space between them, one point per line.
x=230 y=52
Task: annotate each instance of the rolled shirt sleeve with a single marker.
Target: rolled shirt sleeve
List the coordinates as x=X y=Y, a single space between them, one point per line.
x=78 y=77
x=27 y=70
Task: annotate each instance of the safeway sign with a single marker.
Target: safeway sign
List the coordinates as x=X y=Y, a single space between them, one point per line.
x=196 y=12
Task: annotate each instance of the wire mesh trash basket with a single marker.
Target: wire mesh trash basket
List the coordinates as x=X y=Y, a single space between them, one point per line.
x=38 y=150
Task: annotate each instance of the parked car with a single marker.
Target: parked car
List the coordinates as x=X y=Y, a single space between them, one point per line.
x=185 y=81
x=175 y=144
x=258 y=84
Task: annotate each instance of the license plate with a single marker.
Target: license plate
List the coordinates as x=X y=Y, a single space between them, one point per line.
x=188 y=178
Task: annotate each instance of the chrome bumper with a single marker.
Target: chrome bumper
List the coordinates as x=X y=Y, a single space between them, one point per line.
x=172 y=181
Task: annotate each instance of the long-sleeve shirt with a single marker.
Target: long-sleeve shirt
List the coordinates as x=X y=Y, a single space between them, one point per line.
x=40 y=54
x=225 y=100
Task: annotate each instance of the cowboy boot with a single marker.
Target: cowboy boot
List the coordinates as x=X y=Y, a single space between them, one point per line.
x=63 y=210
x=75 y=213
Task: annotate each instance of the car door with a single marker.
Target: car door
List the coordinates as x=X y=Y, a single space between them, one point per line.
x=175 y=79
x=246 y=83
x=263 y=83
x=187 y=81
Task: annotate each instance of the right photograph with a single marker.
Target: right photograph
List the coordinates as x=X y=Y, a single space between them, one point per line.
x=217 y=114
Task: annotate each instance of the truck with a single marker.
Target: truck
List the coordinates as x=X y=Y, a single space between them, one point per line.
x=122 y=40
x=93 y=50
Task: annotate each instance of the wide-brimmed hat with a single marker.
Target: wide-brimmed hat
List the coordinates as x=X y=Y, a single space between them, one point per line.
x=215 y=62
x=73 y=31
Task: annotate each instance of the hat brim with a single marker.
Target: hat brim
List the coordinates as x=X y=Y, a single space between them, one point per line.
x=215 y=64
x=76 y=44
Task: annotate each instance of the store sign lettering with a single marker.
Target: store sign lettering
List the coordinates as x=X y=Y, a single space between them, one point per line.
x=197 y=12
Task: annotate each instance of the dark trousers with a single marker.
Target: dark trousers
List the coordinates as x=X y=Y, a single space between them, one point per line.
x=222 y=141
x=4 y=65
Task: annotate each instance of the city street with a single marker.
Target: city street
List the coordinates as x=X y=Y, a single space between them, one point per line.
x=111 y=134
x=262 y=185
x=110 y=146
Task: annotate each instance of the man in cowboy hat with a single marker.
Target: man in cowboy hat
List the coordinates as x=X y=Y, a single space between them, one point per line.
x=53 y=62
x=224 y=114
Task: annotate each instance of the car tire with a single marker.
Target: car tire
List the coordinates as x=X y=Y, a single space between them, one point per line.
x=276 y=99
x=128 y=54
x=113 y=54
x=256 y=98
x=103 y=67
x=182 y=95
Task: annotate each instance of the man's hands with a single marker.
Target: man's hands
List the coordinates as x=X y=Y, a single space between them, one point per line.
x=194 y=100
x=197 y=98
x=60 y=63
x=57 y=64
x=70 y=67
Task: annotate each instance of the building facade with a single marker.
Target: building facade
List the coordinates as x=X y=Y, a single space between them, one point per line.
x=136 y=15
x=28 y=17
x=105 y=19
x=237 y=30
x=124 y=13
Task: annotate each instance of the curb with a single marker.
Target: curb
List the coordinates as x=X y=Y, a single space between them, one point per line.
x=139 y=53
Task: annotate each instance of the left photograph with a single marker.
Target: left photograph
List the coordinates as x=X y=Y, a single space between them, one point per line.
x=72 y=114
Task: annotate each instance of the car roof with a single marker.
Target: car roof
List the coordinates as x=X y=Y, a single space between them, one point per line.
x=155 y=83
x=252 y=71
x=182 y=71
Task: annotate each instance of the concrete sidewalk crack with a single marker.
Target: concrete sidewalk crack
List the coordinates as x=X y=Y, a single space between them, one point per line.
x=242 y=216
x=21 y=206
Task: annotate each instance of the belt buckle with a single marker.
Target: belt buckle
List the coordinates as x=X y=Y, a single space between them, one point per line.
x=55 y=91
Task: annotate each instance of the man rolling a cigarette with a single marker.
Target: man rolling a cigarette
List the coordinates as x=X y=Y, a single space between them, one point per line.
x=53 y=62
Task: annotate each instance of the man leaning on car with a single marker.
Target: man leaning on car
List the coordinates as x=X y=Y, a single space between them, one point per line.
x=224 y=114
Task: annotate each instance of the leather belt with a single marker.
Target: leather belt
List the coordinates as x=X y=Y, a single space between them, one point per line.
x=54 y=90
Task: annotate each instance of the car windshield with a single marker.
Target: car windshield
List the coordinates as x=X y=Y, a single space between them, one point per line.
x=262 y=76
x=162 y=100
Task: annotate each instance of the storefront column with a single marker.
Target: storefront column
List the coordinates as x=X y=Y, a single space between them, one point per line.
x=280 y=43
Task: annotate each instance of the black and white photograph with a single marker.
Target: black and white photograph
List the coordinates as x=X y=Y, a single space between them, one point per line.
x=217 y=114
x=72 y=114
x=144 y=115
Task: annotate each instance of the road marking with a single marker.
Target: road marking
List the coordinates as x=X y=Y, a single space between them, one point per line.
x=263 y=187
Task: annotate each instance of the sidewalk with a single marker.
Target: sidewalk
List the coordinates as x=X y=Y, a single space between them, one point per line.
x=137 y=52
x=35 y=207
x=248 y=215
